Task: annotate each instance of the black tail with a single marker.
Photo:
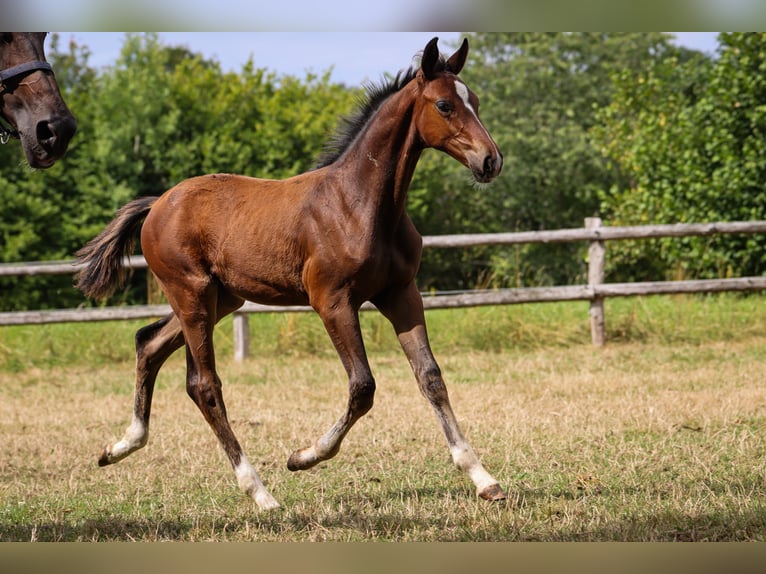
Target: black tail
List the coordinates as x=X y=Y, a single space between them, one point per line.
x=102 y=258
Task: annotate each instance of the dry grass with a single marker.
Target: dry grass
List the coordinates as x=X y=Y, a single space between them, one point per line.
x=638 y=441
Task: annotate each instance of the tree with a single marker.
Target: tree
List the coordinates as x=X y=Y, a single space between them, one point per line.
x=690 y=138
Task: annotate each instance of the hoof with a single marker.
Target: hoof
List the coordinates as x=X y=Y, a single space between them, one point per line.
x=493 y=493
x=266 y=502
x=105 y=458
x=305 y=458
x=268 y=505
x=298 y=461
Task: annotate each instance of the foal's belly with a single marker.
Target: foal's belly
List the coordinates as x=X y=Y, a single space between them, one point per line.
x=266 y=284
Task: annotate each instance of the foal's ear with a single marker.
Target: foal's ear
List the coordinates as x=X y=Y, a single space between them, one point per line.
x=430 y=59
x=457 y=60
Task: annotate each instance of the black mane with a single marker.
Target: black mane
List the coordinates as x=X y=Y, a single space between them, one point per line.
x=350 y=126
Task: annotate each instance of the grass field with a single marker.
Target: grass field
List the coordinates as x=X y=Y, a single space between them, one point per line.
x=661 y=435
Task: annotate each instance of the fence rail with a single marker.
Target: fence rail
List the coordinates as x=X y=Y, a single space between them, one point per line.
x=595 y=291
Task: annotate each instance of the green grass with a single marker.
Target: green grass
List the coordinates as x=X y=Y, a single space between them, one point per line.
x=661 y=435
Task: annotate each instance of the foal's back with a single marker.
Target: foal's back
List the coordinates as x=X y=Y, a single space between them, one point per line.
x=245 y=232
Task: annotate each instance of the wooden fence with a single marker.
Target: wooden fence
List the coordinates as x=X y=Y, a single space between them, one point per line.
x=595 y=291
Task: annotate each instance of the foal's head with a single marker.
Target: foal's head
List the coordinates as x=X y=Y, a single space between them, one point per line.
x=447 y=114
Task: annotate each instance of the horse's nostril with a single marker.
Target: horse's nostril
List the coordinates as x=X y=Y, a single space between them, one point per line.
x=44 y=131
x=489 y=165
x=54 y=134
x=493 y=165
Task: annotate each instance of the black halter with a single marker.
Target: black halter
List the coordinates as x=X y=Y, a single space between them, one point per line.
x=7 y=133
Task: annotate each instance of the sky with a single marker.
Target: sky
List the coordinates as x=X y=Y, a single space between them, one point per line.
x=354 y=57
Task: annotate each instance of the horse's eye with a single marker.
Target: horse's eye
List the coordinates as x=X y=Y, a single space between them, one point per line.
x=6 y=37
x=444 y=106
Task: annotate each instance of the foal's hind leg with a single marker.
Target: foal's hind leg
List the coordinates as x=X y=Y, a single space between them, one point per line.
x=405 y=311
x=342 y=324
x=154 y=344
x=198 y=312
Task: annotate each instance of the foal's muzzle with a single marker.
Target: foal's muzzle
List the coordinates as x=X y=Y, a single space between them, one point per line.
x=490 y=168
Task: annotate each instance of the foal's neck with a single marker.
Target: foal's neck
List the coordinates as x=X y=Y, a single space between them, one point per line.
x=383 y=158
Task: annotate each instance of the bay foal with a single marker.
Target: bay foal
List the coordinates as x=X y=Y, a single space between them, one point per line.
x=333 y=237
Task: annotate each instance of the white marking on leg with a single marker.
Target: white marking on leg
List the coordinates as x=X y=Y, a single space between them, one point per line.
x=251 y=484
x=135 y=437
x=325 y=447
x=466 y=460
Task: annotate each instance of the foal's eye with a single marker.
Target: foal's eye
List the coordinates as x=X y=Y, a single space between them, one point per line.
x=444 y=106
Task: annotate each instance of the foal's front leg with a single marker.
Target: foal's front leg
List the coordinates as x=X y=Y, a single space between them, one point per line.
x=405 y=311
x=342 y=323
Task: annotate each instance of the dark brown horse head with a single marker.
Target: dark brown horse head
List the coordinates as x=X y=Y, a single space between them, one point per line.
x=448 y=115
x=30 y=100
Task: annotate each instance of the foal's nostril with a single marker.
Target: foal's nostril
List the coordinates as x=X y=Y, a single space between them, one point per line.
x=492 y=165
x=489 y=165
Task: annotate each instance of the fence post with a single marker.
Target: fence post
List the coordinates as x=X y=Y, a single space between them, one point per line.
x=241 y=336
x=596 y=258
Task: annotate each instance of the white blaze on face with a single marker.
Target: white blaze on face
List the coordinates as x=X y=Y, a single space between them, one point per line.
x=462 y=92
